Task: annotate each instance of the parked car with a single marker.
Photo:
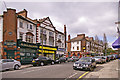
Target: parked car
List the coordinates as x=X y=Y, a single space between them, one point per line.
x=107 y=58
x=42 y=60
x=61 y=59
x=72 y=59
x=111 y=57
x=98 y=59
x=9 y=64
x=104 y=59
x=114 y=56
x=85 y=63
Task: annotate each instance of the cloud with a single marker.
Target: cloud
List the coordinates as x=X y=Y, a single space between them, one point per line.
x=91 y=18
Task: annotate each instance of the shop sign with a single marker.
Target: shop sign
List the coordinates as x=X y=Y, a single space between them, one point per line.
x=61 y=49
x=28 y=45
x=83 y=47
x=45 y=51
x=48 y=48
x=10 y=44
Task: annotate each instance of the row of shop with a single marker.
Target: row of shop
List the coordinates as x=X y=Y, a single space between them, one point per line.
x=81 y=54
x=26 y=52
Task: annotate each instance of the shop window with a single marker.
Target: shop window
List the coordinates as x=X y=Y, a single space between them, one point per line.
x=28 y=54
x=22 y=54
x=21 y=24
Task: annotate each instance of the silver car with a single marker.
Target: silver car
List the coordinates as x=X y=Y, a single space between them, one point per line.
x=9 y=64
x=98 y=59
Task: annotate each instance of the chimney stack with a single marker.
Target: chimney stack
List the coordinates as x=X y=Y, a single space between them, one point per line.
x=69 y=37
x=81 y=35
x=65 y=34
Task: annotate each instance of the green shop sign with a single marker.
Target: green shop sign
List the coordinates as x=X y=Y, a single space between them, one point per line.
x=27 y=45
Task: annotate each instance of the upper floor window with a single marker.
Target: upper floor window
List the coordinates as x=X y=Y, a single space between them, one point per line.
x=73 y=47
x=77 y=47
x=50 y=33
x=27 y=26
x=21 y=24
x=29 y=37
x=63 y=37
x=77 y=42
x=59 y=36
x=30 y=26
x=21 y=36
x=43 y=31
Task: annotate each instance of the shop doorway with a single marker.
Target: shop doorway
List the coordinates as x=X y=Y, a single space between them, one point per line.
x=10 y=54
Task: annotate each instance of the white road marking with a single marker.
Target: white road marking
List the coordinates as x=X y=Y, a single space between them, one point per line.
x=72 y=75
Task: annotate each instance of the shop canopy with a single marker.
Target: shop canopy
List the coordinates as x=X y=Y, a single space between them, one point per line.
x=116 y=44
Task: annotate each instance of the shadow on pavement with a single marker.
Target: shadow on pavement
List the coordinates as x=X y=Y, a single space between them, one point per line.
x=98 y=68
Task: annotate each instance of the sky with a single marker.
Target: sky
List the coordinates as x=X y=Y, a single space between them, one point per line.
x=91 y=18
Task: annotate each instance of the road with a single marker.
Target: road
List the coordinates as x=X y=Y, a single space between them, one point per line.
x=64 y=70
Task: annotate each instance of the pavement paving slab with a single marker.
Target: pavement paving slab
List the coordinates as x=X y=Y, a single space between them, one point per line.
x=106 y=70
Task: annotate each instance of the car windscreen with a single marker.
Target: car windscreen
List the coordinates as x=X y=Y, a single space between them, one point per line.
x=97 y=57
x=85 y=59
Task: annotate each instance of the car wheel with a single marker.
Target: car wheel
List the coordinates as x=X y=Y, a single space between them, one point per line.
x=34 y=65
x=42 y=63
x=52 y=62
x=91 y=69
x=59 y=62
x=95 y=66
x=16 y=67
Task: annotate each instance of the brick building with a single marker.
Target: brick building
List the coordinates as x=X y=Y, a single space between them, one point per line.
x=81 y=45
x=22 y=36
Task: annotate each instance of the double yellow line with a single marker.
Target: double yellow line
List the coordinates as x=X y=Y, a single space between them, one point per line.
x=83 y=75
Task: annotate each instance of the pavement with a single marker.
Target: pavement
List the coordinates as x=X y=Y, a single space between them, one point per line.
x=26 y=66
x=106 y=70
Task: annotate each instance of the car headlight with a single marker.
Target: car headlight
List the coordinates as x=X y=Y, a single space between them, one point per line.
x=76 y=64
x=57 y=60
x=85 y=65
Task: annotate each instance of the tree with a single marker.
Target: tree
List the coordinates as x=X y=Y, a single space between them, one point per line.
x=109 y=50
x=105 y=44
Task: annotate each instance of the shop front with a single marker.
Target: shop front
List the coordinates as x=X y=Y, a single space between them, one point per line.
x=48 y=51
x=28 y=51
x=60 y=52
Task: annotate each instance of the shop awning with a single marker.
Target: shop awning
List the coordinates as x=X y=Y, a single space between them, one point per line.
x=116 y=44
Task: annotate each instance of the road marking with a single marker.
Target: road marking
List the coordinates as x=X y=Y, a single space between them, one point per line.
x=83 y=75
x=72 y=75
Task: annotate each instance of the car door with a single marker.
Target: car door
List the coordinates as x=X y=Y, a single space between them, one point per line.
x=4 y=64
x=10 y=63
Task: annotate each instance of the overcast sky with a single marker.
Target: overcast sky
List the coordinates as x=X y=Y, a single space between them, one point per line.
x=91 y=18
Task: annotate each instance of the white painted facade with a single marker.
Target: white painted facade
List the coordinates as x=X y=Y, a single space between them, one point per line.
x=61 y=37
x=1 y=29
x=25 y=29
x=46 y=31
x=74 y=46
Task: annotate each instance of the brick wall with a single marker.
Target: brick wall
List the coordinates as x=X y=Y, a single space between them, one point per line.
x=10 y=26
